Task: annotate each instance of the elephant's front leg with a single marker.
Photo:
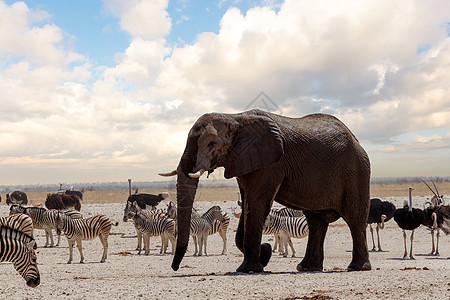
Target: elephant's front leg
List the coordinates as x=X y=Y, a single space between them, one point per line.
x=249 y=233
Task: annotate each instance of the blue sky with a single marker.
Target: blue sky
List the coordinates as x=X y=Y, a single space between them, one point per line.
x=97 y=34
x=107 y=90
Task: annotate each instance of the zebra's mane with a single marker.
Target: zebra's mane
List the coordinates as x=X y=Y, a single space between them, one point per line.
x=8 y=232
x=216 y=207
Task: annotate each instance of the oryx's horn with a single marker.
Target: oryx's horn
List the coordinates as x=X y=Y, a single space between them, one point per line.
x=429 y=188
x=439 y=196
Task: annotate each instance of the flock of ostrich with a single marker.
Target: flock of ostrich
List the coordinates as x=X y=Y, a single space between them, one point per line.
x=151 y=221
x=435 y=215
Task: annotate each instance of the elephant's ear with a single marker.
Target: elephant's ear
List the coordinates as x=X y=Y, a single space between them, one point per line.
x=257 y=143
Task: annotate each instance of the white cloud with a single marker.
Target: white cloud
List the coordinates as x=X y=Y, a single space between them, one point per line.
x=146 y=19
x=380 y=66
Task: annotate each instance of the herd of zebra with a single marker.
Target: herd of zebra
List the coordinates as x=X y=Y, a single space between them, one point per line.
x=284 y=224
x=17 y=244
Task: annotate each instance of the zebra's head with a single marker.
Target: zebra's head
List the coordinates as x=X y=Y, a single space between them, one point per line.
x=216 y=213
x=268 y=221
x=127 y=213
x=172 y=210
x=31 y=272
x=16 y=209
x=59 y=220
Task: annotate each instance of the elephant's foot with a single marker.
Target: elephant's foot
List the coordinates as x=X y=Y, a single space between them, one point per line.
x=307 y=265
x=250 y=267
x=365 y=266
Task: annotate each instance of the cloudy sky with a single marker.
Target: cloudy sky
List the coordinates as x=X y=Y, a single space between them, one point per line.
x=94 y=91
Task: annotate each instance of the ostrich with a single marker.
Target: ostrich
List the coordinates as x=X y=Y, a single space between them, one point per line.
x=430 y=217
x=408 y=218
x=380 y=212
x=436 y=216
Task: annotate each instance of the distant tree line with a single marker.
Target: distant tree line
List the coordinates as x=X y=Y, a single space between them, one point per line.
x=171 y=184
x=403 y=180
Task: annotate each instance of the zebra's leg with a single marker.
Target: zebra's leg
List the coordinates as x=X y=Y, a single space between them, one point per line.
x=200 y=244
x=284 y=239
x=59 y=237
x=104 y=239
x=223 y=235
x=173 y=242
x=277 y=242
x=164 y=243
x=146 y=243
x=71 y=243
x=139 y=239
x=80 y=249
x=50 y=233
x=292 y=246
x=205 y=240
x=46 y=238
x=195 y=245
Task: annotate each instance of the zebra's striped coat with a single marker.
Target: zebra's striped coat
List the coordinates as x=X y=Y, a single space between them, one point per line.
x=217 y=226
x=286 y=227
x=77 y=230
x=156 y=225
x=21 y=222
x=131 y=209
x=42 y=219
x=17 y=247
x=201 y=227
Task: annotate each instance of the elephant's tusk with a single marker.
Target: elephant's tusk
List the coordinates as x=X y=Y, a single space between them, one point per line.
x=173 y=173
x=198 y=174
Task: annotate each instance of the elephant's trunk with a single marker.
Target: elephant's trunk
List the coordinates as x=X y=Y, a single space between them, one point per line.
x=186 y=189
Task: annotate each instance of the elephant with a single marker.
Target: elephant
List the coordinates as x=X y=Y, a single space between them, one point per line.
x=313 y=163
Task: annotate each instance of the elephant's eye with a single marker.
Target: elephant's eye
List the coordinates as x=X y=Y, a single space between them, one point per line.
x=211 y=144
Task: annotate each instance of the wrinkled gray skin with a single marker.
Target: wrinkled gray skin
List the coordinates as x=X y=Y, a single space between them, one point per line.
x=313 y=163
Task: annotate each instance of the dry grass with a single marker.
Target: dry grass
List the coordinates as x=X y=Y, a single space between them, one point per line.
x=230 y=194
x=401 y=190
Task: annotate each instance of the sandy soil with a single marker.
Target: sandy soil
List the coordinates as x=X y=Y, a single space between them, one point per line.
x=126 y=275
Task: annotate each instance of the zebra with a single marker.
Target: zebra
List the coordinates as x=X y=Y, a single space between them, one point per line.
x=287 y=212
x=155 y=225
x=130 y=211
x=21 y=222
x=77 y=230
x=17 y=247
x=42 y=219
x=201 y=227
x=73 y=213
x=217 y=226
x=287 y=227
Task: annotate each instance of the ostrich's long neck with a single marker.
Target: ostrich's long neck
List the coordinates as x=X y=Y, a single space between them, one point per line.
x=410 y=200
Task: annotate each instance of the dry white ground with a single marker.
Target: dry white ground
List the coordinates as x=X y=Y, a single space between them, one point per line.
x=126 y=275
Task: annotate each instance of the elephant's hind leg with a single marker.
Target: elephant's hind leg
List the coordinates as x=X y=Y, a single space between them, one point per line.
x=360 y=254
x=313 y=260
